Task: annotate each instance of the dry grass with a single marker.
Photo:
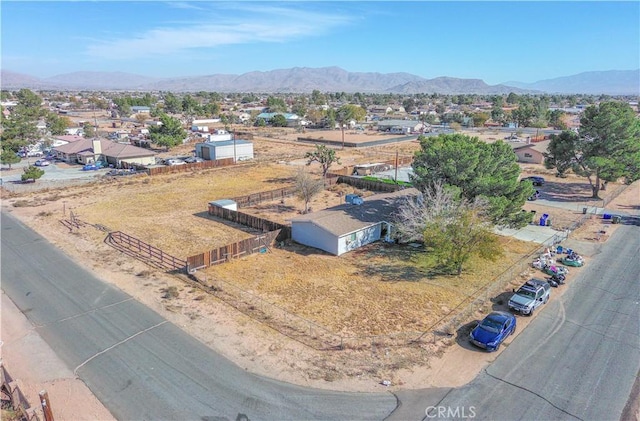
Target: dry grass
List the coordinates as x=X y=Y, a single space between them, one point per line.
x=169 y=211
x=379 y=289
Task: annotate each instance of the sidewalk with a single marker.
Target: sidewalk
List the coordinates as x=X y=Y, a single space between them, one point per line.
x=36 y=367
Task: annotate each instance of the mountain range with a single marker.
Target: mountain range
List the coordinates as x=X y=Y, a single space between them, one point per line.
x=328 y=79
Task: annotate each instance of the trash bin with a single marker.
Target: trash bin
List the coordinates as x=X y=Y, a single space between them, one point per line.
x=606 y=216
x=533 y=217
x=584 y=211
x=616 y=219
x=548 y=221
x=543 y=219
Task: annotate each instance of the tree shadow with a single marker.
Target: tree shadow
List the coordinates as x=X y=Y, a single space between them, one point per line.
x=566 y=192
x=462 y=336
x=280 y=180
x=501 y=301
x=275 y=207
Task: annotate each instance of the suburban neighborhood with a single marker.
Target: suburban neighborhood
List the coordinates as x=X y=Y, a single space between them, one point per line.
x=305 y=211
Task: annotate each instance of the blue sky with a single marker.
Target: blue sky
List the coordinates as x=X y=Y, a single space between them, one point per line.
x=493 y=41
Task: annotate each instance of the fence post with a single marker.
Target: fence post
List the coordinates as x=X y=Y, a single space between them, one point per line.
x=46 y=406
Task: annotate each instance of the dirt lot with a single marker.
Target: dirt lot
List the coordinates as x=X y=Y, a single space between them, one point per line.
x=377 y=290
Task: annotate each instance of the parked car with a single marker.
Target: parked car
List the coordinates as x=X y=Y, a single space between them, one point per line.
x=574 y=261
x=534 y=196
x=42 y=163
x=93 y=166
x=172 y=162
x=537 y=181
x=530 y=296
x=493 y=330
x=193 y=159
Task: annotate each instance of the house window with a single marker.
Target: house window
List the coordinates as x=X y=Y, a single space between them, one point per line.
x=528 y=155
x=353 y=237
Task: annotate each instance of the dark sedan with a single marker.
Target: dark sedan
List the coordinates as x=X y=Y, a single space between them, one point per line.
x=493 y=330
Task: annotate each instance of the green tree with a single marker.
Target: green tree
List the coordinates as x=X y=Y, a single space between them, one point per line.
x=478 y=169
x=190 y=106
x=276 y=105
x=169 y=134
x=452 y=228
x=479 y=119
x=32 y=173
x=57 y=124
x=561 y=152
x=89 y=130
x=324 y=156
x=9 y=157
x=555 y=119
x=172 y=104
x=278 y=120
x=349 y=112
x=29 y=99
x=307 y=187
x=318 y=98
x=608 y=145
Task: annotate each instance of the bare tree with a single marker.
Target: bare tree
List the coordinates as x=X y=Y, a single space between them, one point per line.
x=453 y=229
x=307 y=187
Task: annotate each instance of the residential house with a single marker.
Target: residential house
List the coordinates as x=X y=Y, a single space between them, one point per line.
x=293 y=120
x=140 y=109
x=531 y=153
x=64 y=139
x=239 y=150
x=400 y=126
x=348 y=226
x=87 y=151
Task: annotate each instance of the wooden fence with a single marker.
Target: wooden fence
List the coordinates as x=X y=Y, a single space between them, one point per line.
x=11 y=392
x=258 y=244
x=215 y=163
x=371 y=185
x=270 y=195
x=250 y=221
x=149 y=254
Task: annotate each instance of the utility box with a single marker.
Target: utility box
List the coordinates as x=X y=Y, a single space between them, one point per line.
x=349 y=197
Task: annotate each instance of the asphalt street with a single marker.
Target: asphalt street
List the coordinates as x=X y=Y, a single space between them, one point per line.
x=138 y=364
x=577 y=360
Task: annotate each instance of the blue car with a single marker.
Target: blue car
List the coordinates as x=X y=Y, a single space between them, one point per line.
x=493 y=330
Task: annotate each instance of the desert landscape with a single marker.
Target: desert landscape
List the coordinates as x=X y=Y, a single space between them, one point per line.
x=364 y=297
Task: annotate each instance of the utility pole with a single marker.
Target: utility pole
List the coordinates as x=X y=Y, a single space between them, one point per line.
x=342 y=127
x=396 y=176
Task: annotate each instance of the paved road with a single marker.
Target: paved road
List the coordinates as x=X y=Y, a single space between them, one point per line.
x=139 y=365
x=577 y=361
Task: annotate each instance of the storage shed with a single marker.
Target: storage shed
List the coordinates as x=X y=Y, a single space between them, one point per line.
x=240 y=150
x=225 y=203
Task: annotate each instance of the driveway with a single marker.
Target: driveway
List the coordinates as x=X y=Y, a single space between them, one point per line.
x=55 y=175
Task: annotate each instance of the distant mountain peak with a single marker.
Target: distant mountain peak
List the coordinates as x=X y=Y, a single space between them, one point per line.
x=327 y=79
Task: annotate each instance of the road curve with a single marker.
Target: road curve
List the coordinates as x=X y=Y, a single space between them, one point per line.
x=578 y=360
x=138 y=364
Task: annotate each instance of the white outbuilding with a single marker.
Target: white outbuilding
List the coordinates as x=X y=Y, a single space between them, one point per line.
x=240 y=150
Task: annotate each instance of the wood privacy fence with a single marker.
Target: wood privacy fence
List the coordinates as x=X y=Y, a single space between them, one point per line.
x=371 y=185
x=251 y=221
x=215 y=163
x=258 y=244
x=147 y=253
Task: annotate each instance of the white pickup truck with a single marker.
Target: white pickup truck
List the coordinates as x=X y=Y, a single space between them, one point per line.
x=530 y=296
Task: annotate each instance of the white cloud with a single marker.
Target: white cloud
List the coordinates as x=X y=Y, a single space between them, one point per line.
x=247 y=24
